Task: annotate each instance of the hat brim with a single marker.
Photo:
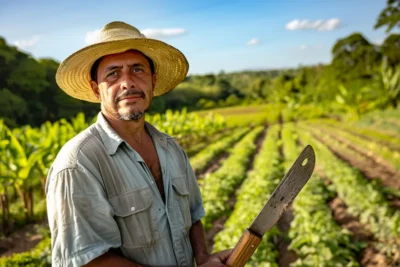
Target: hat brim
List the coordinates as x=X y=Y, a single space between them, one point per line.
x=73 y=74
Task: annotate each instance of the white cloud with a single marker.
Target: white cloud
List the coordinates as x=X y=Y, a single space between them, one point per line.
x=163 y=33
x=253 y=41
x=91 y=37
x=319 y=25
x=312 y=47
x=24 y=44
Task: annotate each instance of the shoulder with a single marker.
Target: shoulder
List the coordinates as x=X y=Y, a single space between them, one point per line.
x=80 y=148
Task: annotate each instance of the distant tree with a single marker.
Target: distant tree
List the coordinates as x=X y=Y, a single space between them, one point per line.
x=282 y=88
x=391 y=49
x=224 y=89
x=232 y=100
x=12 y=107
x=258 y=88
x=27 y=76
x=8 y=57
x=390 y=16
x=354 y=58
x=326 y=87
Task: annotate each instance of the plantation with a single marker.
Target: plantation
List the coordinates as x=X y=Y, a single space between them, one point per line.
x=247 y=164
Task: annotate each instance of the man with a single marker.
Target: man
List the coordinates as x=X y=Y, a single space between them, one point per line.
x=121 y=193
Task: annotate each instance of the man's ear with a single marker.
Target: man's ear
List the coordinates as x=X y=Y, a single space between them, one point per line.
x=95 y=89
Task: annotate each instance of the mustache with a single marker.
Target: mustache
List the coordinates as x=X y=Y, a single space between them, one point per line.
x=133 y=92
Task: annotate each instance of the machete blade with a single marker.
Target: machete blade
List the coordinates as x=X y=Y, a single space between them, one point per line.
x=285 y=192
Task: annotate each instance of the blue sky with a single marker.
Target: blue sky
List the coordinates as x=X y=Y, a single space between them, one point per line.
x=215 y=35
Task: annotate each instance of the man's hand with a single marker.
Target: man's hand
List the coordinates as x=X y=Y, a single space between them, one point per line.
x=217 y=259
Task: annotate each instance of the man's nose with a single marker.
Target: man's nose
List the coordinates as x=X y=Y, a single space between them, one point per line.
x=127 y=81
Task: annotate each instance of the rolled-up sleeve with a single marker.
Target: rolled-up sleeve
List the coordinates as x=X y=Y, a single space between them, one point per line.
x=80 y=218
x=195 y=199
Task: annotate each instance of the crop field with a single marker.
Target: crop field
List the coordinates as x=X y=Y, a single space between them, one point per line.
x=348 y=214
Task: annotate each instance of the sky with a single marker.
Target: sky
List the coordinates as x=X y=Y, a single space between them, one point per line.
x=215 y=35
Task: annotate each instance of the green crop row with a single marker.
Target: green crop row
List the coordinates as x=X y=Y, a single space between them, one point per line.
x=315 y=237
x=379 y=151
x=201 y=159
x=364 y=201
x=367 y=132
x=219 y=186
x=251 y=197
x=343 y=148
x=199 y=145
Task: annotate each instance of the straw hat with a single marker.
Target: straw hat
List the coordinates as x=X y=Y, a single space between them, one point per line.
x=73 y=74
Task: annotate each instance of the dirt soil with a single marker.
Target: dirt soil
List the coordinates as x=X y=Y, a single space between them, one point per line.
x=213 y=165
x=370 y=256
x=22 y=240
x=286 y=257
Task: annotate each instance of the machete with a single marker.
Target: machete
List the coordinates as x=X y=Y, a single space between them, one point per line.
x=283 y=195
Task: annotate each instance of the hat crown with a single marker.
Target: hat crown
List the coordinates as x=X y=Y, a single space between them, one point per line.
x=118 y=30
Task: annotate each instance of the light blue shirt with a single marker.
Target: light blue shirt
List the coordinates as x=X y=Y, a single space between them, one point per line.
x=101 y=195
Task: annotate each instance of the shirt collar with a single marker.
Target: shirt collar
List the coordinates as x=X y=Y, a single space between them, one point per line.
x=112 y=140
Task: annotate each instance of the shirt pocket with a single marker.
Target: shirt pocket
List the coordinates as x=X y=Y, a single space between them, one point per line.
x=135 y=218
x=182 y=202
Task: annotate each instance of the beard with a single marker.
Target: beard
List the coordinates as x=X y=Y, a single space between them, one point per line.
x=135 y=115
x=132 y=116
x=128 y=115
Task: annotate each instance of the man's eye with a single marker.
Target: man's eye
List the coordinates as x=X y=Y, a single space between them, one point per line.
x=112 y=74
x=137 y=69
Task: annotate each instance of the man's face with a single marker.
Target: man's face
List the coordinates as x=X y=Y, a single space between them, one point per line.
x=124 y=85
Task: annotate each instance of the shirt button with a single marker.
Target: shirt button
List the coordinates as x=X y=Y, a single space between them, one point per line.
x=133 y=209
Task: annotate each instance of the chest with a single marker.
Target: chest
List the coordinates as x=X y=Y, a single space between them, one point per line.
x=139 y=168
x=149 y=155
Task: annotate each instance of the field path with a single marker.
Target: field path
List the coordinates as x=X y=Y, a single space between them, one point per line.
x=22 y=240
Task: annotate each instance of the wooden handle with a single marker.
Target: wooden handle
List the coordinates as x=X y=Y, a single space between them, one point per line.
x=243 y=250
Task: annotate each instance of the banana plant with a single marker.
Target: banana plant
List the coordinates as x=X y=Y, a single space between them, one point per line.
x=5 y=182
x=22 y=167
x=355 y=103
x=390 y=81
